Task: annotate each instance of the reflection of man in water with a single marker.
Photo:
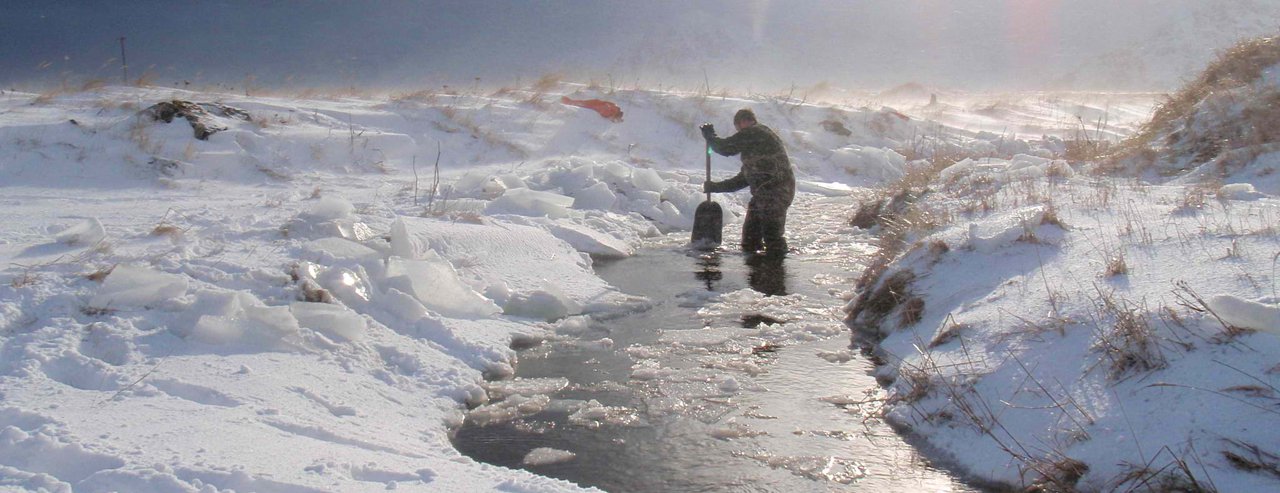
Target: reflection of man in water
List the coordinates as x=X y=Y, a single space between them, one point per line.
x=767 y=275
x=709 y=271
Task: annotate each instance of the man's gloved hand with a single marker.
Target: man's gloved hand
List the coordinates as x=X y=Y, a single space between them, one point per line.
x=707 y=186
x=708 y=131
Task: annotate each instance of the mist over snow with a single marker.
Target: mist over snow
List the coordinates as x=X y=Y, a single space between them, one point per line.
x=756 y=45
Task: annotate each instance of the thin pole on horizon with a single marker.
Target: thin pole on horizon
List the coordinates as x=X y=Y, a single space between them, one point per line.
x=124 y=62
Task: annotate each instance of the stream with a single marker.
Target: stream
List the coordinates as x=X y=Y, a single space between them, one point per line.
x=736 y=375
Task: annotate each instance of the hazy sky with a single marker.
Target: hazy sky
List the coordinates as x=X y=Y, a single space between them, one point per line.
x=762 y=43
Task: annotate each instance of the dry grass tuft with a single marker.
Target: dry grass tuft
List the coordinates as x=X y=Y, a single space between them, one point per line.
x=1196 y=196
x=1129 y=344
x=1059 y=476
x=169 y=230
x=1116 y=265
x=26 y=278
x=1175 y=474
x=912 y=311
x=100 y=274
x=1251 y=458
x=892 y=292
x=948 y=332
x=312 y=292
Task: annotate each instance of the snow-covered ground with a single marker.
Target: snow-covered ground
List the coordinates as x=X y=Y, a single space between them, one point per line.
x=1079 y=328
x=297 y=304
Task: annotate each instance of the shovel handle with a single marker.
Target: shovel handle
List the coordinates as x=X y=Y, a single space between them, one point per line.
x=708 y=168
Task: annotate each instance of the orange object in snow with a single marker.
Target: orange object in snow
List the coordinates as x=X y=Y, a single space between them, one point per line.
x=606 y=109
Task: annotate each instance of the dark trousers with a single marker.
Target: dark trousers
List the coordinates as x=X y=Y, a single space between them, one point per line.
x=764 y=228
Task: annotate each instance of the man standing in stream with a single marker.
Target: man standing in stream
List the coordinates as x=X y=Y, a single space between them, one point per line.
x=766 y=169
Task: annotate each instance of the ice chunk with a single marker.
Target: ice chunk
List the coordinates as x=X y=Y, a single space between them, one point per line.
x=526 y=202
x=615 y=172
x=492 y=187
x=213 y=329
x=831 y=189
x=511 y=180
x=573 y=325
x=647 y=179
x=672 y=216
x=735 y=430
x=509 y=409
x=402 y=245
x=1247 y=314
x=1001 y=230
x=883 y=164
x=330 y=207
x=138 y=286
x=542 y=456
x=1021 y=161
x=331 y=320
x=547 y=304
x=597 y=196
x=575 y=179
x=339 y=248
x=86 y=232
x=236 y=316
x=956 y=170
x=351 y=286
x=525 y=386
x=591 y=241
x=402 y=305
x=1239 y=191
x=434 y=283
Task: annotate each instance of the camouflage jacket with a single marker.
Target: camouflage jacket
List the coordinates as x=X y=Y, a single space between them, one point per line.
x=765 y=167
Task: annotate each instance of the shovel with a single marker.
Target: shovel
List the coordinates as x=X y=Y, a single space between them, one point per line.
x=708 y=220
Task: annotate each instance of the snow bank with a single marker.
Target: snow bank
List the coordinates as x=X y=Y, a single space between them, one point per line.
x=83 y=233
x=1081 y=328
x=1246 y=314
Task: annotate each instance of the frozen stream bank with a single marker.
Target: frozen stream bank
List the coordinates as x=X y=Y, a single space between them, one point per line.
x=734 y=375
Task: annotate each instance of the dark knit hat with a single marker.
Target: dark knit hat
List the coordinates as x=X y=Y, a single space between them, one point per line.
x=744 y=115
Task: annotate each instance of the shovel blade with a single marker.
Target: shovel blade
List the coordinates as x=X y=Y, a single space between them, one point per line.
x=708 y=224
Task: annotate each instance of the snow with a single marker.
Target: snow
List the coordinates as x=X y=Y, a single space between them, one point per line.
x=322 y=321
x=1246 y=314
x=1027 y=322
x=86 y=232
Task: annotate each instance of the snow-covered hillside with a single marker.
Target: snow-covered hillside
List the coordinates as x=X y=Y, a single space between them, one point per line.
x=1096 y=326
x=297 y=303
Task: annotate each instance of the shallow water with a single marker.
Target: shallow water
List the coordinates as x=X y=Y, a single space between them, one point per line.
x=738 y=376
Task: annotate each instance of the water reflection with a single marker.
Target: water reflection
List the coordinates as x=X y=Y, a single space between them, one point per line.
x=709 y=270
x=767 y=274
